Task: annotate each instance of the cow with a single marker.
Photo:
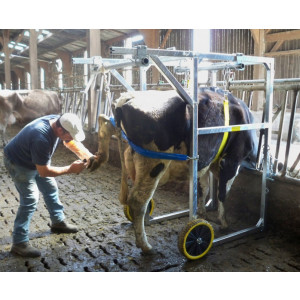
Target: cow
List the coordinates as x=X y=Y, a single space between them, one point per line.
x=36 y=104
x=159 y=122
x=177 y=172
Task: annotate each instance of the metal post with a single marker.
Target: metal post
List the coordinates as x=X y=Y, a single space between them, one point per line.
x=268 y=119
x=143 y=78
x=99 y=100
x=194 y=147
x=290 y=132
x=283 y=109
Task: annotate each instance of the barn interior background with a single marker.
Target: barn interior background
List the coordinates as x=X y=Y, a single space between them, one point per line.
x=31 y=59
x=42 y=59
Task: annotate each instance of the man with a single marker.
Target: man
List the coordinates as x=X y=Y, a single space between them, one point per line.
x=27 y=158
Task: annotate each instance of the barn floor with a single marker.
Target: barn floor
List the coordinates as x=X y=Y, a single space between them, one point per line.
x=105 y=242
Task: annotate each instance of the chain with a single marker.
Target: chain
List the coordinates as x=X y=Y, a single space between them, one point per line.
x=228 y=76
x=271 y=172
x=107 y=83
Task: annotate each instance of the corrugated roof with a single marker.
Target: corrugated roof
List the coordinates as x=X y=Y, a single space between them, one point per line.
x=52 y=40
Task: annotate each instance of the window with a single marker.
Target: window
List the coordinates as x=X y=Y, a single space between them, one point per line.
x=201 y=43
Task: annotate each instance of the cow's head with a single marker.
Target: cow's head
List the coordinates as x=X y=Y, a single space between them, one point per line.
x=105 y=132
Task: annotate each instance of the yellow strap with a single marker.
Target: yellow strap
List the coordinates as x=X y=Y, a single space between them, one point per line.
x=225 y=136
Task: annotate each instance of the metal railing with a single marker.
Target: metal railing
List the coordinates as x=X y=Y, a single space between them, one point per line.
x=285 y=152
x=287 y=164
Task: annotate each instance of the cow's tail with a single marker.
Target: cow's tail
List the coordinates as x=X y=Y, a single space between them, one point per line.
x=250 y=160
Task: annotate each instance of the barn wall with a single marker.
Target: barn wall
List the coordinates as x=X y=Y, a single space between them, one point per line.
x=233 y=41
x=241 y=41
x=282 y=205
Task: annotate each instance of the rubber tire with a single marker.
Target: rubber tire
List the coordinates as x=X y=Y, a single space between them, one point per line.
x=188 y=241
x=128 y=215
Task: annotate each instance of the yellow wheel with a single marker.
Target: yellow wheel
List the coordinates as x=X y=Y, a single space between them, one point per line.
x=150 y=209
x=196 y=239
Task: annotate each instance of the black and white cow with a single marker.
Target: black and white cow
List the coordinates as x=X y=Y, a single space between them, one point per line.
x=160 y=121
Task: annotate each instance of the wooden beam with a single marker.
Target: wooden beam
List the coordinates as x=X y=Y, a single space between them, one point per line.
x=73 y=37
x=120 y=38
x=7 y=67
x=258 y=71
x=94 y=50
x=34 y=73
x=283 y=36
x=255 y=35
x=277 y=46
x=281 y=53
x=163 y=43
x=151 y=38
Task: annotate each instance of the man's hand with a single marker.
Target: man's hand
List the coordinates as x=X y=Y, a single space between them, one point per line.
x=77 y=166
x=49 y=171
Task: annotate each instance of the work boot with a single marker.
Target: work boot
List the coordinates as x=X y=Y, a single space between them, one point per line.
x=63 y=227
x=25 y=250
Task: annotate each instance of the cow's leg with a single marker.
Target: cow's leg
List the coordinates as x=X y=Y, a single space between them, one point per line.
x=148 y=174
x=4 y=140
x=124 y=184
x=228 y=171
x=105 y=131
x=204 y=184
x=129 y=163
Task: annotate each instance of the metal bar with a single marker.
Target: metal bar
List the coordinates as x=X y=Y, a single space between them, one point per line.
x=281 y=87
x=279 y=137
x=170 y=216
x=290 y=132
x=194 y=148
x=74 y=103
x=255 y=81
x=143 y=79
x=250 y=99
x=171 y=79
x=236 y=235
x=177 y=53
x=267 y=135
x=84 y=96
x=293 y=167
x=99 y=100
x=121 y=79
x=79 y=104
x=222 y=66
x=238 y=127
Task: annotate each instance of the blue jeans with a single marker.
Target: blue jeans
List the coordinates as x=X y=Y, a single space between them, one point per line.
x=29 y=183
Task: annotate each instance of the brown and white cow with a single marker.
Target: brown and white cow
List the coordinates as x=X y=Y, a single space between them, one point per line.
x=36 y=104
x=158 y=122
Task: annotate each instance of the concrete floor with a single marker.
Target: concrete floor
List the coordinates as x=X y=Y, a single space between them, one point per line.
x=106 y=243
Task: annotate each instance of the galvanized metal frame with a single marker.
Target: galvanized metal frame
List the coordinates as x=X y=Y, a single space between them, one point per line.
x=142 y=57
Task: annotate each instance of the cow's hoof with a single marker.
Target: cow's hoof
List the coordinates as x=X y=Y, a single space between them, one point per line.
x=149 y=252
x=224 y=229
x=93 y=164
x=196 y=239
x=128 y=213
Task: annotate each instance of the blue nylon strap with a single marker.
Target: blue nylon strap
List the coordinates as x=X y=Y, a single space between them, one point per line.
x=149 y=153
